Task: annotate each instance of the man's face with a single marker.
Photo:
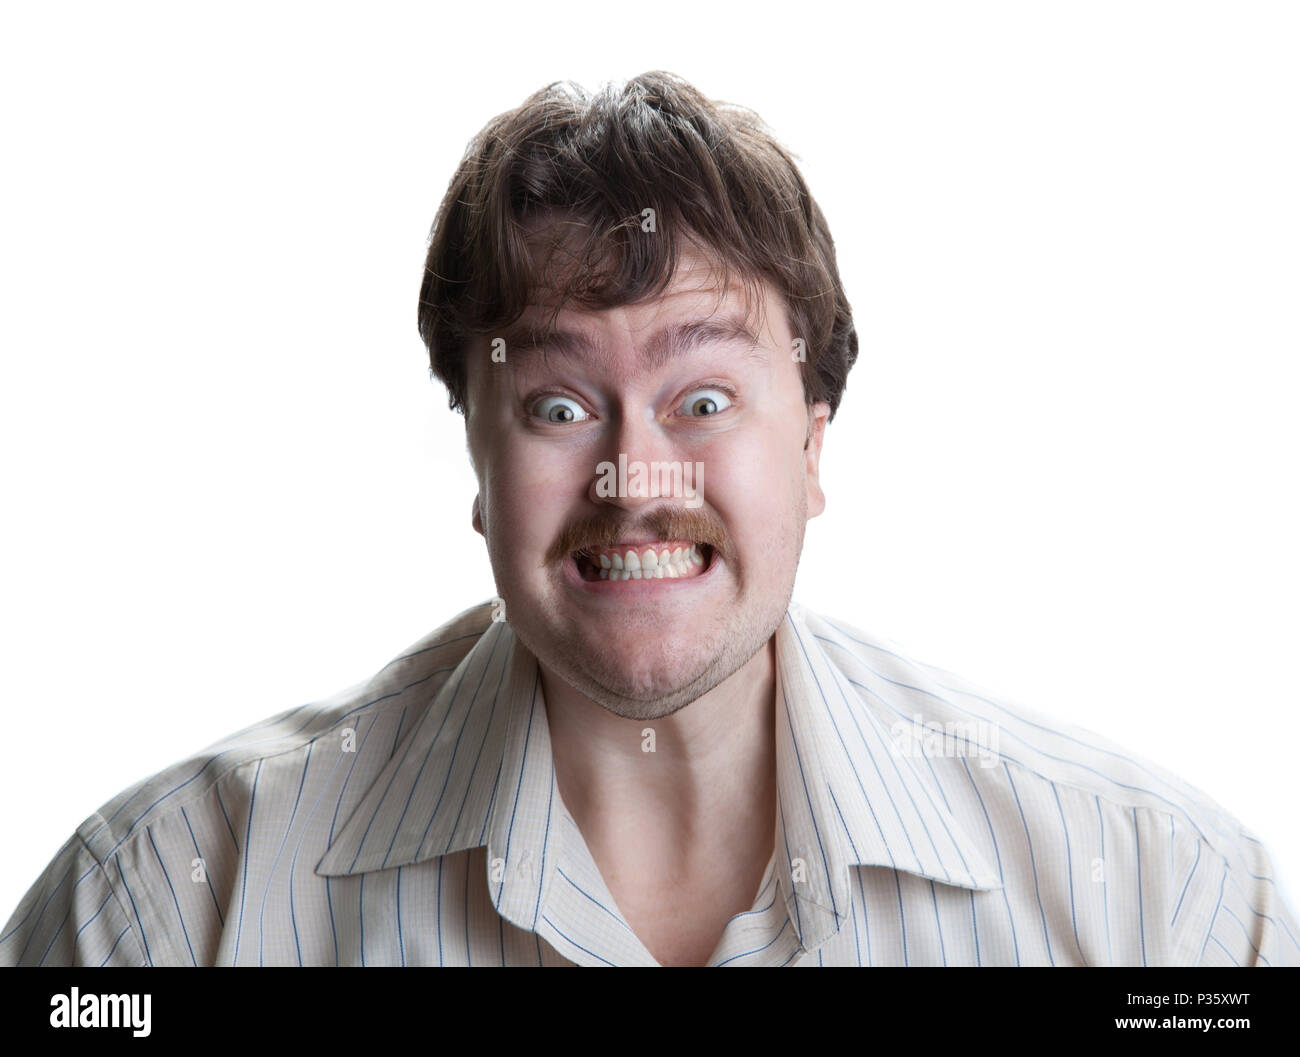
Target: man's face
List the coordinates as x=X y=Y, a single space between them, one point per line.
x=547 y=426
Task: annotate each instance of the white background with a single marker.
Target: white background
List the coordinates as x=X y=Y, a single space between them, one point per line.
x=1065 y=466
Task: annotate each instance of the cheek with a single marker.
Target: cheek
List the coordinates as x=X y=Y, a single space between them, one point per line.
x=529 y=495
x=756 y=470
x=757 y=489
x=544 y=481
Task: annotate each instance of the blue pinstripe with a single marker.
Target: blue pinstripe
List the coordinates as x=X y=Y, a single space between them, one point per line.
x=757 y=950
x=566 y=939
x=1069 y=873
x=1276 y=922
x=113 y=951
x=478 y=757
x=456 y=748
x=1186 y=884
x=614 y=917
x=216 y=903
x=83 y=928
x=902 y=916
x=144 y=936
x=821 y=847
x=1105 y=884
x=1142 y=931
x=329 y=897
x=266 y=892
x=243 y=894
x=44 y=907
x=1030 y=842
x=997 y=853
x=175 y=902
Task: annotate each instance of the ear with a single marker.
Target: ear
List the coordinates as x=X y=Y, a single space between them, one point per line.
x=817 y=416
x=477 y=517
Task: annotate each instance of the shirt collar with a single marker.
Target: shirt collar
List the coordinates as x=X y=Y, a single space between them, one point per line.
x=476 y=770
x=848 y=792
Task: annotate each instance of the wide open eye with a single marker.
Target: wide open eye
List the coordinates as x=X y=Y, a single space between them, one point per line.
x=559 y=409
x=702 y=403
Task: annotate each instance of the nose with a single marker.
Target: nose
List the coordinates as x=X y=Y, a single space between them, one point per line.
x=622 y=477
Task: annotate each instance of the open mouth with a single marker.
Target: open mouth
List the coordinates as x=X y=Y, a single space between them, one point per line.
x=660 y=560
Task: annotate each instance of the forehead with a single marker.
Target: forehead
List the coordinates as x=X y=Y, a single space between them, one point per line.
x=700 y=308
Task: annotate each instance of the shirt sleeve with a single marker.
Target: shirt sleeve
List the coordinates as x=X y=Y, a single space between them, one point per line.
x=71 y=916
x=1252 y=926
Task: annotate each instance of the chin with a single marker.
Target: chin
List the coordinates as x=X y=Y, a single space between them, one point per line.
x=653 y=683
x=647 y=686
x=658 y=674
x=649 y=698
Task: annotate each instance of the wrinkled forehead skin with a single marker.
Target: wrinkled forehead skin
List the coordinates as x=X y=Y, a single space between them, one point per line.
x=571 y=270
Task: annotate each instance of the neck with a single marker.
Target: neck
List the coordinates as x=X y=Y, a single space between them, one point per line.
x=711 y=775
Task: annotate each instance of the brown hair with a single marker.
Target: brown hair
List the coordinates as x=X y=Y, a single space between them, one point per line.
x=712 y=173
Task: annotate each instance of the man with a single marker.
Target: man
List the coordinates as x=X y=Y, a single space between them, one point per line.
x=642 y=752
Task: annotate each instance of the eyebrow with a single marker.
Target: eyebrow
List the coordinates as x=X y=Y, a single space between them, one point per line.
x=666 y=344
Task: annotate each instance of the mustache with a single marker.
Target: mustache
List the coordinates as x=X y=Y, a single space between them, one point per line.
x=665 y=523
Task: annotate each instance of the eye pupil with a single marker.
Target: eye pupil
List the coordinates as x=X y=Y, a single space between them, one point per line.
x=561 y=414
x=706 y=406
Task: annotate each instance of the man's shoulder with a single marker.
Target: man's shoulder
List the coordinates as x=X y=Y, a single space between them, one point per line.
x=939 y=714
x=281 y=741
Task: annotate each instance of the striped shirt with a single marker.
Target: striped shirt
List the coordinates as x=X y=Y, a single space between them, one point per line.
x=414 y=819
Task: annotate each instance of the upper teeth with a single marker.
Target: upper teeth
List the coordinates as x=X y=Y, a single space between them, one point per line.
x=649 y=563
